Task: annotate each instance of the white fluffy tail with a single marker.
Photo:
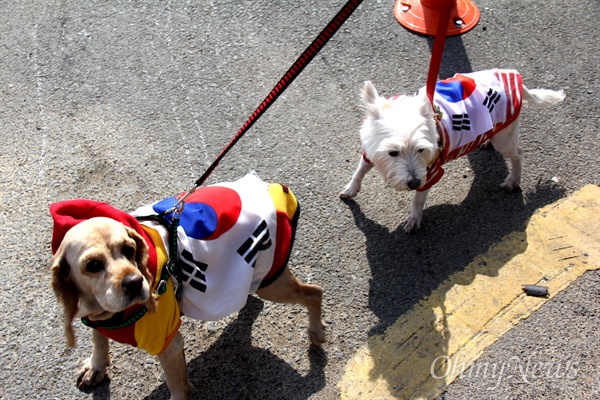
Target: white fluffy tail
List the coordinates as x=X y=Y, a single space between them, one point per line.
x=543 y=97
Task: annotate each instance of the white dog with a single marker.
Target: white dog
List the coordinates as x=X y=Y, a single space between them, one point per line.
x=408 y=140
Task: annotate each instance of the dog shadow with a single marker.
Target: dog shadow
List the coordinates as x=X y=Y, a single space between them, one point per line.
x=407 y=268
x=231 y=368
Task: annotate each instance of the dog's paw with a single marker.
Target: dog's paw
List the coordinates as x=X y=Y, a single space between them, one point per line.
x=412 y=224
x=510 y=183
x=350 y=191
x=317 y=335
x=90 y=375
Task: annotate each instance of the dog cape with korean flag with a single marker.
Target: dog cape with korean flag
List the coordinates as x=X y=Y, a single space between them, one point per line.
x=233 y=238
x=474 y=107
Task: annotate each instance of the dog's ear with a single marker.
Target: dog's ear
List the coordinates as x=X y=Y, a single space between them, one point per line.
x=66 y=292
x=141 y=259
x=425 y=108
x=141 y=253
x=370 y=98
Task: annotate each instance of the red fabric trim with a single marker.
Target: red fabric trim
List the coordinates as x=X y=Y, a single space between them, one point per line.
x=170 y=337
x=365 y=158
x=434 y=175
x=284 y=244
x=124 y=335
x=67 y=214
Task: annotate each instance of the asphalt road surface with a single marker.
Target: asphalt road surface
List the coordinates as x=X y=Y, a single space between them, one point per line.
x=128 y=102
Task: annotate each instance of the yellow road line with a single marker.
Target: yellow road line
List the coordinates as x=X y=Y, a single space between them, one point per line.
x=427 y=348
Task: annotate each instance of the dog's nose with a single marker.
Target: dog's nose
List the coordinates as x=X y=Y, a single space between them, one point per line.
x=132 y=284
x=414 y=184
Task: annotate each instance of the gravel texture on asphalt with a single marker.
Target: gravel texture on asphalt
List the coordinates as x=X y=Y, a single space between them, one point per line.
x=128 y=102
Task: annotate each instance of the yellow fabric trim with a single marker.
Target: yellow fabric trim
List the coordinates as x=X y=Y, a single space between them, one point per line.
x=154 y=332
x=285 y=202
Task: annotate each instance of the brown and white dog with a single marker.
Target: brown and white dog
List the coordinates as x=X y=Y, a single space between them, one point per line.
x=110 y=270
x=408 y=141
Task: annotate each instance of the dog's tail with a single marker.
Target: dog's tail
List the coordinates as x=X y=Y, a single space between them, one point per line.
x=543 y=97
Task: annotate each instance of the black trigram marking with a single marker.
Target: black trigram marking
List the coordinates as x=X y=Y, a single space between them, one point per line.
x=460 y=122
x=192 y=271
x=491 y=99
x=259 y=240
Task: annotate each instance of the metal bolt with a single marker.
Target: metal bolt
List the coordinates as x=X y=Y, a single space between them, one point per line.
x=458 y=23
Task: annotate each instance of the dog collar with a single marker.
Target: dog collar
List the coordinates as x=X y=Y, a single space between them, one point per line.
x=116 y=321
x=438 y=121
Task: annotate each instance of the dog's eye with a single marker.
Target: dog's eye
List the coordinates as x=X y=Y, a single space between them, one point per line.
x=128 y=251
x=94 y=266
x=420 y=150
x=393 y=153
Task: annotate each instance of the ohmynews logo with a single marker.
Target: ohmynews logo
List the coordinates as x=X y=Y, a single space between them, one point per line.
x=528 y=370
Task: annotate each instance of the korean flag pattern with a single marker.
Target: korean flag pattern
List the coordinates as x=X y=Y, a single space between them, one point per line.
x=226 y=244
x=473 y=104
x=474 y=108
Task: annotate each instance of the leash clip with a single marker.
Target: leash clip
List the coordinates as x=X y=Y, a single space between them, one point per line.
x=438 y=112
x=177 y=209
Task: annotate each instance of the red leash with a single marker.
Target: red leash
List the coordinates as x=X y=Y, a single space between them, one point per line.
x=287 y=79
x=438 y=49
